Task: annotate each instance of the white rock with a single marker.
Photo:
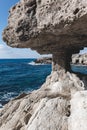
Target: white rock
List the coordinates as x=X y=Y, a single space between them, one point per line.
x=49 y=115
x=78 y=118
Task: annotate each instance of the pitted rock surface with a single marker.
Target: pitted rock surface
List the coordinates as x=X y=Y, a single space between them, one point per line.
x=58 y=27
x=47 y=25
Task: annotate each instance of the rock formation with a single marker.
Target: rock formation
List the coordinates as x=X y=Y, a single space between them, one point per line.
x=44 y=60
x=58 y=27
x=46 y=108
x=79 y=59
x=48 y=26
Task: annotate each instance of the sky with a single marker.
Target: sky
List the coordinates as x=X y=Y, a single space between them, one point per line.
x=8 y=52
x=5 y=51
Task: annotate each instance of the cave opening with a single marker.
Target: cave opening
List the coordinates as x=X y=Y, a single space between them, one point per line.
x=77 y=61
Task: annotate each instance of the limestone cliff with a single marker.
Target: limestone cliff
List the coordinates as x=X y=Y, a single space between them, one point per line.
x=79 y=59
x=58 y=27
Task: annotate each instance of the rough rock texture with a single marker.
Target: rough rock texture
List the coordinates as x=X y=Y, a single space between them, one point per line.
x=78 y=117
x=79 y=59
x=48 y=26
x=44 y=109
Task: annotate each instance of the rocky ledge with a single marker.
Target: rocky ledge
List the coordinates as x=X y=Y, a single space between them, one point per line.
x=58 y=27
x=44 y=60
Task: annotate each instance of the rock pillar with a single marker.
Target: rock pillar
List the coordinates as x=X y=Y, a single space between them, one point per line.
x=61 y=60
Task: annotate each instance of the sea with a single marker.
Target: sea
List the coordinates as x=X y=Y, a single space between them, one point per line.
x=20 y=76
x=81 y=69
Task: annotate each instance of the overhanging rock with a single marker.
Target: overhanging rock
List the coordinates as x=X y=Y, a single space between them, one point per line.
x=48 y=26
x=58 y=27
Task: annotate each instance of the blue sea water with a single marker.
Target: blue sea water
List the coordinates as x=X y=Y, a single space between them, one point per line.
x=18 y=76
x=78 y=68
x=22 y=75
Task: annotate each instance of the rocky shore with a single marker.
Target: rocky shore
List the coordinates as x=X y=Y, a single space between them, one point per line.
x=79 y=59
x=44 y=60
x=47 y=108
x=49 y=27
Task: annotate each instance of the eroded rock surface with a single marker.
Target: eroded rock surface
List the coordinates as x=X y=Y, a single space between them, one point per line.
x=58 y=27
x=79 y=59
x=46 y=108
x=48 y=26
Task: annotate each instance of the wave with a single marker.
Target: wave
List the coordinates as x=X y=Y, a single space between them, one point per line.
x=33 y=63
x=18 y=77
x=8 y=96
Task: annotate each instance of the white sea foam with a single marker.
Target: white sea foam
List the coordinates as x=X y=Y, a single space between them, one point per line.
x=33 y=63
x=8 y=96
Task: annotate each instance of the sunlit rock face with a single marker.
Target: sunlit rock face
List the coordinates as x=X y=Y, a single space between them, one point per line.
x=48 y=26
x=80 y=59
x=78 y=118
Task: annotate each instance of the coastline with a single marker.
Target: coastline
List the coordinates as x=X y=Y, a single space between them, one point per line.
x=78 y=65
x=29 y=109
x=18 y=76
